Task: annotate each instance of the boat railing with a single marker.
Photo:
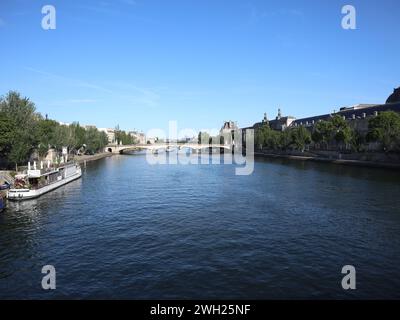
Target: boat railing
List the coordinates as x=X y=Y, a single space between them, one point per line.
x=47 y=169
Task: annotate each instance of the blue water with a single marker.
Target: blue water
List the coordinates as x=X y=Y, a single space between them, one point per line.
x=131 y=230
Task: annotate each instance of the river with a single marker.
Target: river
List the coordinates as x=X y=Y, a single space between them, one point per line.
x=132 y=230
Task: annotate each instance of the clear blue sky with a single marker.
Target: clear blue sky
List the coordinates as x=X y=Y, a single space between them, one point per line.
x=140 y=63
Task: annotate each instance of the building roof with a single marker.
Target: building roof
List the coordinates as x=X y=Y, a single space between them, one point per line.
x=394 y=97
x=358 y=111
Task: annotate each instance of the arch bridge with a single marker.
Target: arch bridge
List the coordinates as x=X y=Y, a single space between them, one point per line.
x=120 y=149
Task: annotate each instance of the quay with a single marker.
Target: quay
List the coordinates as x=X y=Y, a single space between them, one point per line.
x=88 y=158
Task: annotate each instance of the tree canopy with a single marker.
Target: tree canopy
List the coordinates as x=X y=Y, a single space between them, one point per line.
x=23 y=130
x=335 y=133
x=385 y=129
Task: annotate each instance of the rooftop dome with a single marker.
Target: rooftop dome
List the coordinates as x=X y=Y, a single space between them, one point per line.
x=394 y=97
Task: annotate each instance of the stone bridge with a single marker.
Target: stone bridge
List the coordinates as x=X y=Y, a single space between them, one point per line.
x=120 y=149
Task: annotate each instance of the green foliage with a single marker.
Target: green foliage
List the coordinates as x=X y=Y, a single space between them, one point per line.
x=322 y=132
x=53 y=135
x=95 y=140
x=343 y=134
x=46 y=135
x=22 y=131
x=358 y=141
x=300 y=138
x=261 y=137
x=274 y=140
x=265 y=137
x=123 y=137
x=336 y=129
x=6 y=133
x=385 y=128
x=80 y=135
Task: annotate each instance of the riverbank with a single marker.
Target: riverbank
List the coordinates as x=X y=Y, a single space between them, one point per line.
x=371 y=164
x=78 y=159
x=7 y=175
x=94 y=157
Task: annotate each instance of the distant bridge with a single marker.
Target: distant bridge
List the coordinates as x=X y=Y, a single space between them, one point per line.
x=120 y=149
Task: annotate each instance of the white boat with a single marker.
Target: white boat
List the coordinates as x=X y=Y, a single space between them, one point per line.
x=40 y=181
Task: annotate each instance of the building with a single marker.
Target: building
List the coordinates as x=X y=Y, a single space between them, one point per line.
x=63 y=123
x=358 y=112
x=279 y=123
x=90 y=126
x=394 y=97
x=151 y=140
x=228 y=127
x=139 y=136
x=227 y=132
x=110 y=134
x=357 y=116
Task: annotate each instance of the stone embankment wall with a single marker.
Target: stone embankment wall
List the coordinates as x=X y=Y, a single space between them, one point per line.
x=374 y=158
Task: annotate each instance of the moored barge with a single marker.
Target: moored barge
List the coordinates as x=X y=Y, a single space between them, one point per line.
x=37 y=182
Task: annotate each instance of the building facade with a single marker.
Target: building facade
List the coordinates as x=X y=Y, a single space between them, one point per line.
x=110 y=134
x=139 y=136
x=356 y=115
x=227 y=132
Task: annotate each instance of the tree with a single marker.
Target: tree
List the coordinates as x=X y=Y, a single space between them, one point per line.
x=6 y=134
x=46 y=135
x=21 y=113
x=95 y=140
x=385 y=128
x=344 y=136
x=341 y=130
x=79 y=134
x=273 y=139
x=22 y=131
x=259 y=137
x=64 y=137
x=300 y=138
x=262 y=135
x=322 y=132
x=336 y=129
x=123 y=137
x=284 y=139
